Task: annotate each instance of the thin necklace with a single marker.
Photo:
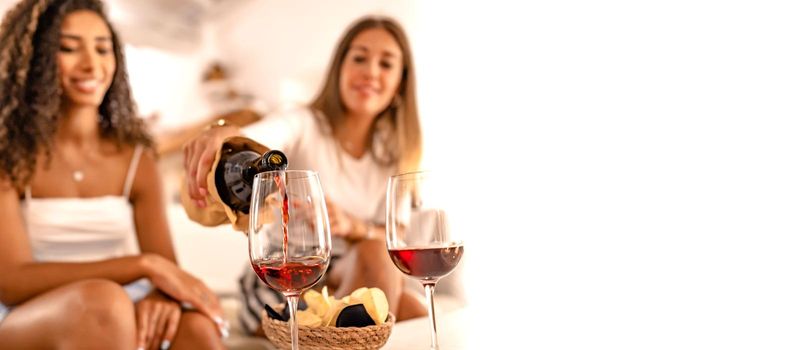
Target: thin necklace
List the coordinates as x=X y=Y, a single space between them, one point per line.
x=77 y=174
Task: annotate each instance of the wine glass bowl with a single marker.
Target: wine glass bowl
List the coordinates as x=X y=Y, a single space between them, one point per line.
x=292 y=277
x=289 y=238
x=418 y=235
x=427 y=263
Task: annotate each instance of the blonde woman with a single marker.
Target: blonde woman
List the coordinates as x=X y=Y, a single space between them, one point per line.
x=360 y=129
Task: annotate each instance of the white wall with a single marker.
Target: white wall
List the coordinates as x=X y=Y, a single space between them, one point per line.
x=165 y=67
x=168 y=83
x=279 y=50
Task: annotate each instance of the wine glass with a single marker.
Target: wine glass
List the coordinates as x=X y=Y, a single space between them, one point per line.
x=289 y=236
x=418 y=234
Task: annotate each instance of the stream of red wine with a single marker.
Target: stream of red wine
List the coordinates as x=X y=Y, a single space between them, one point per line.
x=280 y=179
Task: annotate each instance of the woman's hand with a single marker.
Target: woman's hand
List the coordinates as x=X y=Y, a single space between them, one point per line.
x=345 y=225
x=185 y=288
x=157 y=319
x=198 y=156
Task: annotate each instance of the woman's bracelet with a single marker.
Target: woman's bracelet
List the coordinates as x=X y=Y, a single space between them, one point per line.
x=217 y=124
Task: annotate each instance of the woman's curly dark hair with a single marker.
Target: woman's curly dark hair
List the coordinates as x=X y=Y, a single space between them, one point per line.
x=30 y=92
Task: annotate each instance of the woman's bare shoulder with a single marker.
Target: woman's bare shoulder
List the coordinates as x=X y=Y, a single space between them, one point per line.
x=7 y=187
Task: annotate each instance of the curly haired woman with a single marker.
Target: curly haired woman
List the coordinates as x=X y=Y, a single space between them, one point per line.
x=86 y=259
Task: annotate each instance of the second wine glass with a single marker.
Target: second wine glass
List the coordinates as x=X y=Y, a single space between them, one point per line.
x=289 y=237
x=418 y=234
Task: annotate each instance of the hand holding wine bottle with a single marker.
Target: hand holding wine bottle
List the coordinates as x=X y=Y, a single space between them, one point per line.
x=229 y=182
x=198 y=157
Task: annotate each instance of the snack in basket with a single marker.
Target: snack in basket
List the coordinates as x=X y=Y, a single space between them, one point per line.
x=328 y=338
x=363 y=307
x=353 y=316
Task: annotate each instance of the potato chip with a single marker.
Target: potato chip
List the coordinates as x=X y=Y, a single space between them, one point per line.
x=325 y=294
x=316 y=302
x=357 y=295
x=328 y=298
x=324 y=309
x=308 y=318
x=333 y=312
x=376 y=304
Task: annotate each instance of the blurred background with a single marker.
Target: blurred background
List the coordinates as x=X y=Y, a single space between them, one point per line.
x=628 y=171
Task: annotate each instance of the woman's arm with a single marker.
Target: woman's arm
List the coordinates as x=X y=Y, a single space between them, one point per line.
x=21 y=278
x=351 y=228
x=149 y=213
x=154 y=238
x=276 y=131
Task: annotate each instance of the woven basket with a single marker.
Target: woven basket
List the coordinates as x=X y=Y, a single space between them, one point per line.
x=328 y=338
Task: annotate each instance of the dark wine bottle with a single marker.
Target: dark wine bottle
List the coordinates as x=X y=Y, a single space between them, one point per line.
x=237 y=169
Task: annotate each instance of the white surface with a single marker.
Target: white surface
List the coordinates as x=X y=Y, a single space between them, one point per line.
x=415 y=334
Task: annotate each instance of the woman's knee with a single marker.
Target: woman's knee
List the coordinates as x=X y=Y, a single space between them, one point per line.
x=81 y=315
x=376 y=267
x=102 y=301
x=99 y=312
x=197 y=331
x=372 y=252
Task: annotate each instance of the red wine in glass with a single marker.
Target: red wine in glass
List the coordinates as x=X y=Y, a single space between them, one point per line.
x=289 y=251
x=427 y=263
x=418 y=235
x=293 y=276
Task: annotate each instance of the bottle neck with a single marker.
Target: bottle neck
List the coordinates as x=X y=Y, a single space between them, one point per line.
x=271 y=161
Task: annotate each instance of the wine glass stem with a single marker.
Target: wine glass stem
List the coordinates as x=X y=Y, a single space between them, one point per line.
x=293 y=300
x=429 y=286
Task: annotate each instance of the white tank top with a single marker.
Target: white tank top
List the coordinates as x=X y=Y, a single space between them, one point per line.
x=82 y=229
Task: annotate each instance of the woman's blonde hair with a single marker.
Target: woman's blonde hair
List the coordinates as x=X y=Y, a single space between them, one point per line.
x=396 y=138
